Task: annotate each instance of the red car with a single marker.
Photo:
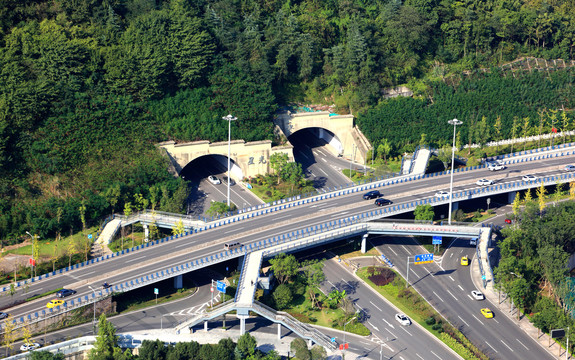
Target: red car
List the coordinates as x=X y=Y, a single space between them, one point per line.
x=508 y=221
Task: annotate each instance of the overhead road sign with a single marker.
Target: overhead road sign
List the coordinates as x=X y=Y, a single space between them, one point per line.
x=423 y=259
x=437 y=240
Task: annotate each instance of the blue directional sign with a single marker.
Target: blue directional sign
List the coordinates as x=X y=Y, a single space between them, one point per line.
x=423 y=259
x=89 y=236
x=333 y=339
x=436 y=240
x=221 y=286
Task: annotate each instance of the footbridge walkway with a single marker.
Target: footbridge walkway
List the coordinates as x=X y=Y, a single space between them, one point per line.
x=244 y=301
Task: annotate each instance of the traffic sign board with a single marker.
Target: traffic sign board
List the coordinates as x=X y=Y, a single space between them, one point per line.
x=89 y=236
x=221 y=286
x=423 y=259
x=156 y=291
x=333 y=339
x=436 y=240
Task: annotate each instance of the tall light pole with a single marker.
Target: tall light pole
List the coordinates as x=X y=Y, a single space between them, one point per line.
x=229 y=118
x=453 y=122
x=33 y=262
x=94 y=316
x=353 y=318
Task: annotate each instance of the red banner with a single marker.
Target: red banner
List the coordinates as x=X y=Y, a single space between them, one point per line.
x=32 y=262
x=554 y=130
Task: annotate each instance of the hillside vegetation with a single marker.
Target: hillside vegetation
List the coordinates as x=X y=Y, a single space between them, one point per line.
x=89 y=86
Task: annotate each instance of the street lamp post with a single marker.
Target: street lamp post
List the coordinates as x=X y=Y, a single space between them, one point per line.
x=229 y=119
x=32 y=263
x=94 y=316
x=353 y=318
x=453 y=122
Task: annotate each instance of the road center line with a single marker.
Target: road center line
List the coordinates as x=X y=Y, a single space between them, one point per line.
x=375 y=305
x=507 y=346
x=522 y=344
x=438 y=296
x=488 y=344
x=136 y=259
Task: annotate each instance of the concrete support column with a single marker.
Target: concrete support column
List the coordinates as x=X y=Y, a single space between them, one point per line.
x=310 y=343
x=205 y=326
x=364 y=244
x=146 y=232
x=279 y=331
x=178 y=284
x=242 y=325
x=511 y=197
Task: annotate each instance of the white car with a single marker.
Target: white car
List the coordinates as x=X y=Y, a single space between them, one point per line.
x=214 y=180
x=442 y=194
x=402 y=319
x=495 y=167
x=569 y=168
x=477 y=295
x=29 y=346
x=529 y=178
x=484 y=182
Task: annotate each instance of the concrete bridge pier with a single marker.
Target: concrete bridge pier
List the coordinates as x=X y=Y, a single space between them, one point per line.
x=364 y=243
x=206 y=325
x=511 y=197
x=279 y=331
x=242 y=323
x=146 y=232
x=178 y=284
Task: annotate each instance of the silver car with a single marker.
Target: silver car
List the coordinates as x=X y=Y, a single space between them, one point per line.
x=484 y=182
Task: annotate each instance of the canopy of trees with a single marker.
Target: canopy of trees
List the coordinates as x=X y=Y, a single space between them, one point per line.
x=88 y=87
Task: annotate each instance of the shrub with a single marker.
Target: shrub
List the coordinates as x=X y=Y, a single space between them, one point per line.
x=282 y=296
x=430 y=320
x=383 y=277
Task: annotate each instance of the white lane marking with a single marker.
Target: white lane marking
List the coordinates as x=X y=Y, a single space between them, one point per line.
x=324 y=160
x=388 y=324
x=461 y=288
x=393 y=251
x=430 y=273
x=452 y=279
x=375 y=305
x=496 y=321
x=282 y=217
x=507 y=345
x=235 y=230
x=460 y=318
x=404 y=248
x=366 y=343
x=182 y=245
x=419 y=356
x=522 y=344
x=392 y=334
x=491 y=346
x=136 y=259
x=337 y=215
x=91 y=272
x=406 y=331
x=438 y=296
x=453 y=296
x=478 y=320
x=413 y=271
x=469 y=296
x=434 y=354
x=373 y=326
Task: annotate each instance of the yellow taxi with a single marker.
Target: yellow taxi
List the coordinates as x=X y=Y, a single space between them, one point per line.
x=54 y=303
x=487 y=313
x=465 y=261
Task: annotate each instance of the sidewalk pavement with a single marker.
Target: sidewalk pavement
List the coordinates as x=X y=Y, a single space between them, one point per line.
x=502 y=306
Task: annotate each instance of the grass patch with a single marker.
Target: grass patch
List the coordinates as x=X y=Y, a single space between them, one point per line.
x=414 y=306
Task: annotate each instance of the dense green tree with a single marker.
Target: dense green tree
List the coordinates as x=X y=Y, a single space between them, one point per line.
x=424 y=212
x=282 y=296
x=46 y=355
x=106 y=341
x=284 y=267
x=246 y=345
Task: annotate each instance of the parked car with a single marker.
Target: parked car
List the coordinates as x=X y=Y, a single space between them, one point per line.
x=54 y=303
x=484 y=182
x=477 y=295
x=3 y=315
x=569 y=168
x=487 y=313
x=465 y=260
x=214 y=180
x=495 y=167
x=374 y=194
x=29 y=346
x=529 y=178
x=65 y=292
x=442 y=194
x=382 y=201
x=402 y=319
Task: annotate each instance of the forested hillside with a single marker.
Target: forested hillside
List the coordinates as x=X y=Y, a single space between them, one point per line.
x=88 y=86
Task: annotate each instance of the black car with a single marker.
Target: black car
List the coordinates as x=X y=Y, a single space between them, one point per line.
x=65 y=292
x=374 y=194
x=382 y=201
x=3 y=315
